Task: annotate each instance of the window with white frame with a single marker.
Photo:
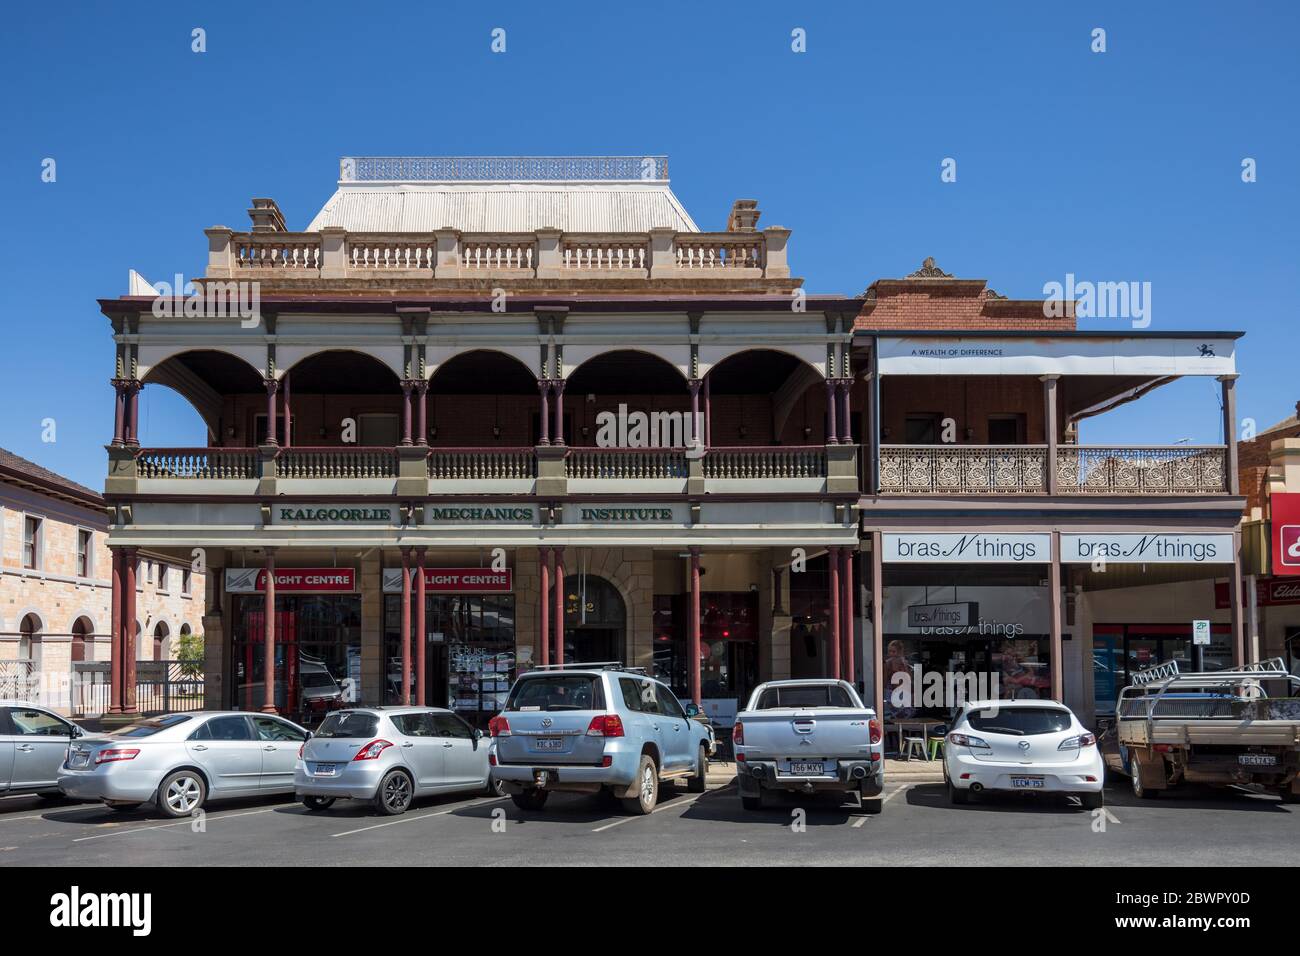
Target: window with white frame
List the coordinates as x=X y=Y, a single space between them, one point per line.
x=33 y=533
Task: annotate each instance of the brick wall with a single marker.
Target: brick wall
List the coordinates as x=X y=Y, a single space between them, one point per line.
x=954 y=305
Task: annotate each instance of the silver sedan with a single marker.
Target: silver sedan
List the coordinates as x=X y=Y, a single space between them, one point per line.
x=180 y=761
x=33 y=742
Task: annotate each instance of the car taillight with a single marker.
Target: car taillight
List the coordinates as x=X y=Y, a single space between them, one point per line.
x=605 y=725
x=968 y=740
x=498 y=727
x=301 y=748
x=874 y=726
x=372 y=750
x=1077 y=743
x=492 y=760
x=738 y=734
x=117 y=753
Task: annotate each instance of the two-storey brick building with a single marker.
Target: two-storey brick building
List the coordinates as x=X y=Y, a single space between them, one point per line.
x=492 y=413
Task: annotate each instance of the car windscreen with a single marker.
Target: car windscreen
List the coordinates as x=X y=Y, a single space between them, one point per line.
x=349 y=723
x=557 y=692
x=147 y=728
x=809 y=695
x=1020 y=721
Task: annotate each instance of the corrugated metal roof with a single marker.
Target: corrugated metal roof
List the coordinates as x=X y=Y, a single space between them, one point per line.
x=504 y=207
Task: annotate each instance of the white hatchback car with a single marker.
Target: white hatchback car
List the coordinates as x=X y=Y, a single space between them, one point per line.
x=1036 y=746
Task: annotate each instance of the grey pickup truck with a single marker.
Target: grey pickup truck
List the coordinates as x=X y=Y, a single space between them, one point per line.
x=808 y=736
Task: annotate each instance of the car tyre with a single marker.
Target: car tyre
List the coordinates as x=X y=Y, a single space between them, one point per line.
x=698 y=780
x=647 y=788
x=394 y=794
x=181 y=793
x=1139 y=791
x=315 y=804
x=1091 y=801
x=532 y=799
x=956 y=795
x=494 y=788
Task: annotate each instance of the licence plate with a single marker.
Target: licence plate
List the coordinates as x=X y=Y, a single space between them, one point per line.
x=79 y=760
x=1027 y=783
x=325 y=769
x=803 y=768
x=1257 y=760
x=549 y=743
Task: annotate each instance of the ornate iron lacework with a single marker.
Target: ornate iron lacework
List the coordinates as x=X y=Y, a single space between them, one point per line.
x=501 y=168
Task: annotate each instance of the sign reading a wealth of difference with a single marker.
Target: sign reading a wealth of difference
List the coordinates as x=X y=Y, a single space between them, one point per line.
x=318 y=580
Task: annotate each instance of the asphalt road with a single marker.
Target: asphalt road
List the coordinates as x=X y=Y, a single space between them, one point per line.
x=1195 y=826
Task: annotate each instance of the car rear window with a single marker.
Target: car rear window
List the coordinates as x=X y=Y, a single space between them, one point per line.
x=349 y=723
x=557 y=692
x=147 y=728
x=1020 y=721
x=812 y=695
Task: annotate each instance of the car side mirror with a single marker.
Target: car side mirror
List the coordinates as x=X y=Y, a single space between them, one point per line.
x=310 y=735
x=77 y=732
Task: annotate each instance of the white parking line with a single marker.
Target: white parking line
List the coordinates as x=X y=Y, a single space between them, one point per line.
x=884 y=800
x=412 y=818
x=683 y=804
x=188 y=821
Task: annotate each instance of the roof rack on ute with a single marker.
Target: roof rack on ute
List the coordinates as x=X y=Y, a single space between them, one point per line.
x=590 y=666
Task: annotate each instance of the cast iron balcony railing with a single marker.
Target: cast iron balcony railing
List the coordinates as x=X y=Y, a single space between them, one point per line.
x=215 y=463
x=1159 y=470
x=513 y=169
x=1081 y=470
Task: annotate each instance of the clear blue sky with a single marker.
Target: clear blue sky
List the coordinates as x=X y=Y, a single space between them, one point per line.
x=1116 y=166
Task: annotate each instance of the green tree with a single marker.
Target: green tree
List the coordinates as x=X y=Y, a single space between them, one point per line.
x=189 y=651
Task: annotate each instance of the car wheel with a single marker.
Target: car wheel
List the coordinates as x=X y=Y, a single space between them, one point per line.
x=647 y=788
x=700 y=778
x=181 y=793
x=317 y=803
x=394 y=794
x=956 y=795
x=752 y=803
x=1139 y=791
x=494 y=788
x=1091 y=801
x=534 y=798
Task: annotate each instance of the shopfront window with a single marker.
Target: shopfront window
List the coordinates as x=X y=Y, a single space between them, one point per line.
x=1121 y=650
x=728 y=643
x=469 y=652
x=1002 y=651
x=317 y=653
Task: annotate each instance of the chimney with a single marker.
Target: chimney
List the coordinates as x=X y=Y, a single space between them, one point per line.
x=744 y=216
x=266 y=216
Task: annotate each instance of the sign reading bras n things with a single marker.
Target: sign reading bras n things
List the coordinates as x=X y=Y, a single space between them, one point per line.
x=455 y=581
x=1151 y=548
x=292 y=580
x=1285 y=514
x=976 y=548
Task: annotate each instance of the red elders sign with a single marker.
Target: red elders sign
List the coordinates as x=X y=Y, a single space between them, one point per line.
x=1285 y=512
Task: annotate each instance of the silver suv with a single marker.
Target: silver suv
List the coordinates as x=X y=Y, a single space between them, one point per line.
x=389 y=756
x=592 y=728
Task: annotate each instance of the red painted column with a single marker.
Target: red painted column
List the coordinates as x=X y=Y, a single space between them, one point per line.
x=421 y=637
x=557 y=433
x=544 y=387
x=544 y=605
x=832 y=433
x=694 y=385
x=115 y=636
x=406 y=413
x=693 y=631
x=559 y=605
x=128 y=632
x=119 y=412
x=271 y=387
x=287 y=416
x=268 y=651
x=846 y=412
x=708 y=413
x=133 y=413
x=404 y=692
x=847 y=605
x=833 y=644
x=422 y=412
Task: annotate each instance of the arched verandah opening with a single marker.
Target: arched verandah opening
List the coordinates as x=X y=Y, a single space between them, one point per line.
x=764 y=397
x=483 y=398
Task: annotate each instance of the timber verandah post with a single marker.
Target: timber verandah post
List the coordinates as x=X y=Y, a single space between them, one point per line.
x=128 y=632
x=833 y=642
x=404 y=698
x=115 y=637
x=559 y=604
x=268 y=660
x=544 y=605
x=421 y=637
x=693 y=630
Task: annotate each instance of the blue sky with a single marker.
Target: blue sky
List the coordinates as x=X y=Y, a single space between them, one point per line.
x=1116 y=166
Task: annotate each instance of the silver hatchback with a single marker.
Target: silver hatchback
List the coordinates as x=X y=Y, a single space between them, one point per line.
x=180 y=761
x=389 y=756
